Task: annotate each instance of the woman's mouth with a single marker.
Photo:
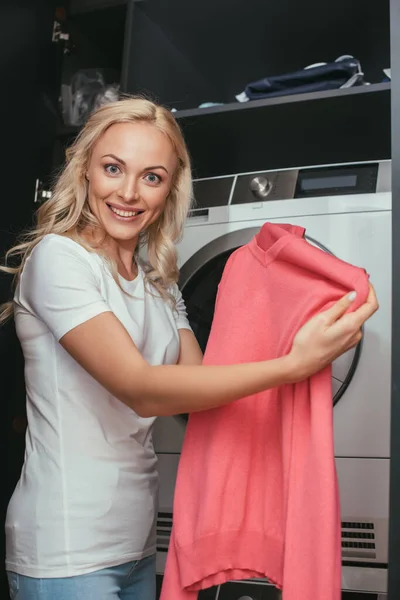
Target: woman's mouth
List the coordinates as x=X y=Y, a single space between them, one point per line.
x=124 y=215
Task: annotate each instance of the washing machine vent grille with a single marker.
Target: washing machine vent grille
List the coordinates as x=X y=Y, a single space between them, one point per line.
x=164 y=527
x=358 y=540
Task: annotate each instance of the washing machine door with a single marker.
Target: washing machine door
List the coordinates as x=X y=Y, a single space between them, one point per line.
x=199 y=280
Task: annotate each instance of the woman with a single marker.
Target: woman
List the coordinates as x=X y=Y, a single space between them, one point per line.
x=107 y=348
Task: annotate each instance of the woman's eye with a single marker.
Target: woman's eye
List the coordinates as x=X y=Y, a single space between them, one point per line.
x=112 y=169
x=153 y=178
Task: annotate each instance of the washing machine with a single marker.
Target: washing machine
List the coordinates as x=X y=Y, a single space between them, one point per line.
x=346 y=210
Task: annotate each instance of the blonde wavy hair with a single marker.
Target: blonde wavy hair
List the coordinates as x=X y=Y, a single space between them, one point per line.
x=67 y=212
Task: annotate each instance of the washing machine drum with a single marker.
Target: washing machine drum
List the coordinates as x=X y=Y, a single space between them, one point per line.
x=199 y=292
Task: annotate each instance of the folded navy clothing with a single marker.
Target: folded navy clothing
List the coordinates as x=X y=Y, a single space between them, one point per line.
x=344 y=72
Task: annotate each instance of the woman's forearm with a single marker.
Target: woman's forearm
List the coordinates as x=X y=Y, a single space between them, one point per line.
x=175 y=389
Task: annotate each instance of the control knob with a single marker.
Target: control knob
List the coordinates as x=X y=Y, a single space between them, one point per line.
x=260 y=187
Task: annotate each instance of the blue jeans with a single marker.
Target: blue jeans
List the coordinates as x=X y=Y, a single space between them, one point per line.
x=135 y=580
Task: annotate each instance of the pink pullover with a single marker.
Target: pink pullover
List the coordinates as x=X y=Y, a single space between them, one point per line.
x=256 y=493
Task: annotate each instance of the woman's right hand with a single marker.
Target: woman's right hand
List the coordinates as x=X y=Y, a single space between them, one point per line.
x=329 y=334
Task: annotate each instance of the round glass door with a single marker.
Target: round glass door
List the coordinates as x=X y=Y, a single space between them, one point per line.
x=200 y=292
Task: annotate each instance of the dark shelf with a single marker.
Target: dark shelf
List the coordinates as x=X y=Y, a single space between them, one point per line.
x=347 y=125
x=238 y=106
x=65 y=131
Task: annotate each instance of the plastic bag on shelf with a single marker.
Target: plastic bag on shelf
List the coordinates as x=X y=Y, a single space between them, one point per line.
x=86 y=93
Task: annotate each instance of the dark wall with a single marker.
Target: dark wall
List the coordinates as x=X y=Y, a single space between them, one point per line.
x=27 y=105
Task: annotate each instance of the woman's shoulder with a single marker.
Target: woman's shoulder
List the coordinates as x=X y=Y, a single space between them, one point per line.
x=57 y=263
x=58 y=256
x=55 y=248
x=56 y=241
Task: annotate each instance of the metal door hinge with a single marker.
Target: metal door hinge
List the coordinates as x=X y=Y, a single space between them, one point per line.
x=41 y=194
x=58 y=34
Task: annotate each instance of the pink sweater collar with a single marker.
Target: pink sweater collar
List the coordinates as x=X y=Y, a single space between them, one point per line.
x=271 y=238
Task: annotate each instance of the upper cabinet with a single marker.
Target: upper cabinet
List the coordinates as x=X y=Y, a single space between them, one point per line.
x=184 y=53
x=187 y=53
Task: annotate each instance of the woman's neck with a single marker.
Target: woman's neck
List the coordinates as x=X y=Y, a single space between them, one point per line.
x=122 y=252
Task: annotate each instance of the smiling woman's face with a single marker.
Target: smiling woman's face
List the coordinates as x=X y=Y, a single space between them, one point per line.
x=130 y=175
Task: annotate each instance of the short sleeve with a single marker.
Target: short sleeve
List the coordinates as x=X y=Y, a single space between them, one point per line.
x=179 y=311
x=59 y=285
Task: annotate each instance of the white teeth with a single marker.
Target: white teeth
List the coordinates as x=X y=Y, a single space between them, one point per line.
x=124 y=213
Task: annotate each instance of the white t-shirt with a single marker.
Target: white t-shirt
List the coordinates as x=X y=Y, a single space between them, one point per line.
x=87 y=496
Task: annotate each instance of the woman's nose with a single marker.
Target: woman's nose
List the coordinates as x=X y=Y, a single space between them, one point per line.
x=128 y=190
